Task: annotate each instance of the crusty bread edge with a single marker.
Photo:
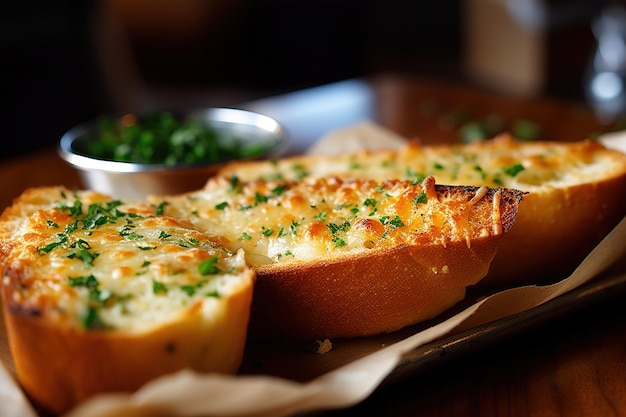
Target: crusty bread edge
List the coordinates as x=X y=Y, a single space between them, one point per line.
x=72 y=365
x=366 y=295
x=555 y=230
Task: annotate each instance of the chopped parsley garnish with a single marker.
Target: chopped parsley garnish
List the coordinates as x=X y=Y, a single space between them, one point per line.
x=209 y=266
x=81 y=251
x=97 y=300
x=260 y=198
x=334 y=228
x=88 y=281
x=479 y=169
x=161 y=208
x=234 y=183
x=164 y=137
x=370 y=202
x=514 y=169
x=299 y=171
x=293 y=226
x=420 y=198
x=320 y=216
x=279 y=189
x=190 y=290
x=221 y=206
x=130 y=235
x=396 y=222
x=158 y=288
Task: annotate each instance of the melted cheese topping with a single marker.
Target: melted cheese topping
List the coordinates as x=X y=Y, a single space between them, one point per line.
x=90 y=260
x=501 y=162
x=322 y=219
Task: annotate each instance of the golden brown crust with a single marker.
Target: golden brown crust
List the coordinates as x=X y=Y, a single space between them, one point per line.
x=575 y=193
x=383 y=276
x=555 y=230
x=80 y=325
x=60 y=366
x=369 y=294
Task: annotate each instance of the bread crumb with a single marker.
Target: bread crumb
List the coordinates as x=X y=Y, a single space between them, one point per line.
x=322 y=346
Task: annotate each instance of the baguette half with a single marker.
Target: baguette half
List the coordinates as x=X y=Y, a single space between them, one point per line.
x=347 y=258
x=575 y=192
x=100 y=296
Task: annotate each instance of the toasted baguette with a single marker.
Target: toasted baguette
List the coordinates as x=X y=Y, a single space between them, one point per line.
x=348 y=258
x=101 y=297
x=575 y=192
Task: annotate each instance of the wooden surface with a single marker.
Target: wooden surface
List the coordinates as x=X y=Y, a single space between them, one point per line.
x=573 y=365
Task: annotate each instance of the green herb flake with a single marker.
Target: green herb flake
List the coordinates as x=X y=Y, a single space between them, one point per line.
x=50 y=223
x=91 y=319
x=370 y=202
x=279 y=189
x=293 y=227
x=480 y=170
x=420 y=198
x=260 y=198
x=320 y=216
x=233 y=183
x=338 y=242
x=158 y=288
x=396 y=222
x=335 y=228
x=160 y=209
x=42 y=250
x=88 y=281
x=221 y=206
x=514 y=169
x=209 y=266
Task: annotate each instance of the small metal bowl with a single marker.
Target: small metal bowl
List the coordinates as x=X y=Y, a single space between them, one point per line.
x=135 y=181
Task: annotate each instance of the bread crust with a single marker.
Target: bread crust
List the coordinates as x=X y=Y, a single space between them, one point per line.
x=140 y=334
x=393 y=277
x=575 y=193
x=366 y=295
x=555 y=230
x=60 y=366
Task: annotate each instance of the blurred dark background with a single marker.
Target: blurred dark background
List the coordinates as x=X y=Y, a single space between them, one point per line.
x=66 y=61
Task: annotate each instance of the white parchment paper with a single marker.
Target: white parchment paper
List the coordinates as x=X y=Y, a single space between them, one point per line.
x=189 y=394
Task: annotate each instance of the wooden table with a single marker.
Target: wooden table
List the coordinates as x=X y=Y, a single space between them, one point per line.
x=568 y=365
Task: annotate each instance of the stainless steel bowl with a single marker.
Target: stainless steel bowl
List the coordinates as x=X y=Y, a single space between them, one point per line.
x=127 y=180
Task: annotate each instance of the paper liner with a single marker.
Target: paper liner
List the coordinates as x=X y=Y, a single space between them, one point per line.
x=190 y=394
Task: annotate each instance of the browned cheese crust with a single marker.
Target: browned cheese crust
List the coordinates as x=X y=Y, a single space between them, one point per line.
x=95 y=306
x=346 y=258
x=575 y=193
